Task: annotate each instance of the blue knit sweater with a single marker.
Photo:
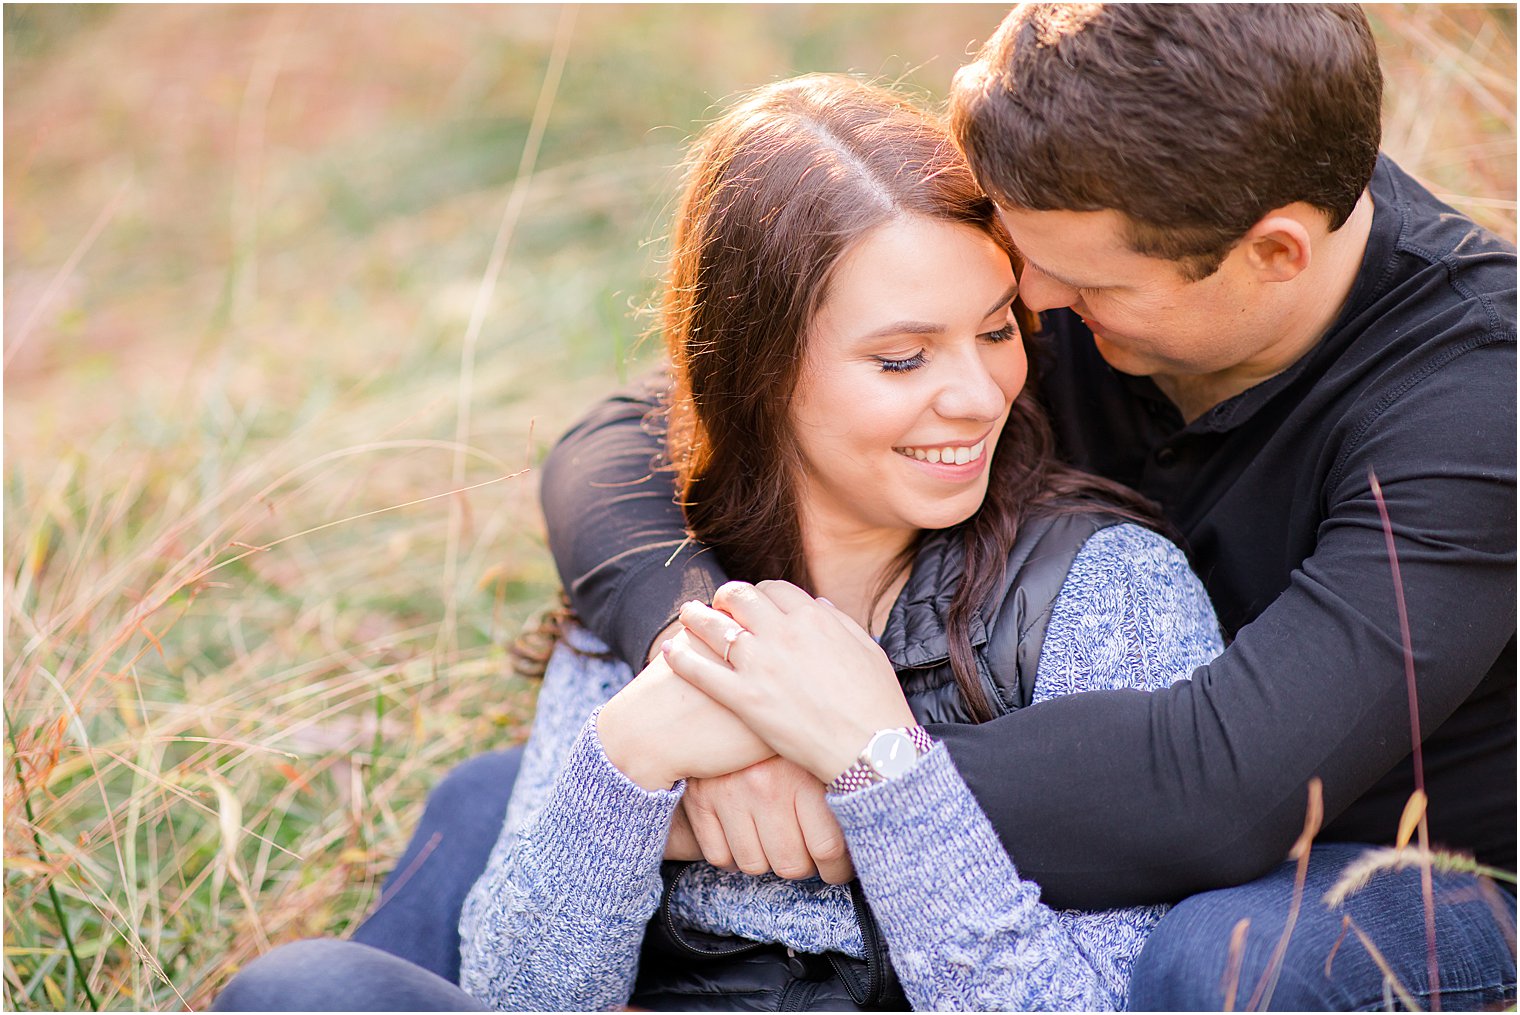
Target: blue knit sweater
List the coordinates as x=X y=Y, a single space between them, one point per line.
x=557 y=919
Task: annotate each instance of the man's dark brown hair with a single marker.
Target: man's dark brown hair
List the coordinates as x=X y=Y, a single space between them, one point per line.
x=1192 y=120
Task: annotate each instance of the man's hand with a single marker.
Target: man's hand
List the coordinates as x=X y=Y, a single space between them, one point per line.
x=768 y=817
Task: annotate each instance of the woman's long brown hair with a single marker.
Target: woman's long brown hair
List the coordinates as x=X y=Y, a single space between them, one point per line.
x=777 y=190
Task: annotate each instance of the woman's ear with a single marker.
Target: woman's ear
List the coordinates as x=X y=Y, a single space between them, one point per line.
x=1280 y=245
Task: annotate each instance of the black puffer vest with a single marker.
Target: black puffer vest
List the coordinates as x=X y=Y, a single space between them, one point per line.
x=684 y=970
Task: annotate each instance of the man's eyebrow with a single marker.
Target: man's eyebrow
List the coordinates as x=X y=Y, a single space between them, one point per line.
x=1069 y=283
x=928 y=328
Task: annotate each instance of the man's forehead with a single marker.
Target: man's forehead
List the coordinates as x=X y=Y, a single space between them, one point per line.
x=1072 y=246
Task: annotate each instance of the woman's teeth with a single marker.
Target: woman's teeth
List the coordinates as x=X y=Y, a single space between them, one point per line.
x=946 y=456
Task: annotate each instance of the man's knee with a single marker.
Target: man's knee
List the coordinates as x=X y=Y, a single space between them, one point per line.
x=1221 y=948
x=1182 y=967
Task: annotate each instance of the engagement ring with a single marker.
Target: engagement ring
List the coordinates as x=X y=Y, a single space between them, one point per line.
x=728 y=642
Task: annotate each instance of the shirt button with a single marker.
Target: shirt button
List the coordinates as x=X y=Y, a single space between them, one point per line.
x=1166 y=456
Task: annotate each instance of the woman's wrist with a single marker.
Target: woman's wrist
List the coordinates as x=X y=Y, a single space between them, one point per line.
x=628 y=751
x=842 y=749
x=889 y=754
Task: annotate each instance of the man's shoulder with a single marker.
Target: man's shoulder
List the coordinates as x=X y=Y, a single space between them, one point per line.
x=1434 y=288
x=1423 y=240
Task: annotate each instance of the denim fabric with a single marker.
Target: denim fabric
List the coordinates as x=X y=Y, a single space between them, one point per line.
x=417 y=916
x=1184 y=965
x=327 y=975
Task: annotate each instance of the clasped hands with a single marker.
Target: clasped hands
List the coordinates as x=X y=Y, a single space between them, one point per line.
x=757 y=701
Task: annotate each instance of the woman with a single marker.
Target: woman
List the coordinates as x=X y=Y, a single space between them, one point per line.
x=841 y=317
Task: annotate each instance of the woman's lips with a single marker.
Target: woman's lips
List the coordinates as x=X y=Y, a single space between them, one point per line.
x=963 y=463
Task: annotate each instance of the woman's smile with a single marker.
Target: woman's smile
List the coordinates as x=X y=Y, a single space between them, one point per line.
x=954 y=461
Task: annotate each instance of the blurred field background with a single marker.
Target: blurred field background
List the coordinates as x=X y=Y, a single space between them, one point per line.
x=295 y=300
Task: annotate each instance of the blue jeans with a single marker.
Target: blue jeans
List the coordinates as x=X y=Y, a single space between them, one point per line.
x=405 y=956
x=1185 y=965
x=417 y=917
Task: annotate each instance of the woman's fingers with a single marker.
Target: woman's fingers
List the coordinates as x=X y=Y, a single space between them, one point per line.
x=700 y=666
x=720 y=628
x=682 y=843
x=823 y=837
x=848 y=622
x=786 y=851
x=786 y=596
x=706 y=828
x=717 y=631
x=754 y=609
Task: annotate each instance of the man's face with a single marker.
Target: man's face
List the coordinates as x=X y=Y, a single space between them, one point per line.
x=1146 y=317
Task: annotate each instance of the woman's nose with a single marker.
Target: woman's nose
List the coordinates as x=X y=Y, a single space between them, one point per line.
x=970 y=391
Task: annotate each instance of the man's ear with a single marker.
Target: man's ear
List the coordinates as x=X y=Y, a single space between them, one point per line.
x=1279 y=247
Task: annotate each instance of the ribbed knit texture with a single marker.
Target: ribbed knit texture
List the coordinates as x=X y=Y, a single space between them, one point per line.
x=558 y=918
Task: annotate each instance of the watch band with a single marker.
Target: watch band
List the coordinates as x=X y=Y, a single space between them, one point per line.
x=866 y=771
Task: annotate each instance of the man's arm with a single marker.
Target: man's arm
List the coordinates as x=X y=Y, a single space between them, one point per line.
x=617 y=535
x=1124 y=797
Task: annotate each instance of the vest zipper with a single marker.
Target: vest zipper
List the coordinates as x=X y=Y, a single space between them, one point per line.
x=679 y=939
x=876 y=954
x=797 y=995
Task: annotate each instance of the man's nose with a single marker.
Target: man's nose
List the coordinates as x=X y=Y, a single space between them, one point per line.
x=1041 y=292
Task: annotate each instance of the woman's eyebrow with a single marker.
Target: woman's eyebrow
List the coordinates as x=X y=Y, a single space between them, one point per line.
x=928 y=328
x=1003 y=300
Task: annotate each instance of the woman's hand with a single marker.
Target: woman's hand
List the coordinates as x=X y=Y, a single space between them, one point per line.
x=798 y=672
x=660 y=729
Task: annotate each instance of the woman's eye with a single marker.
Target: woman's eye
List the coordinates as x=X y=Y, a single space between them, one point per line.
x=1003 y=334
x=896 y=366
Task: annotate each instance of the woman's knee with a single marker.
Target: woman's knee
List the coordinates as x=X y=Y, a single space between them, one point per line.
x=292 y=977
x=324 y=974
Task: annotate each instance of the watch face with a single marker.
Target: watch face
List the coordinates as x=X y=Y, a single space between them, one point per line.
x=891 y=752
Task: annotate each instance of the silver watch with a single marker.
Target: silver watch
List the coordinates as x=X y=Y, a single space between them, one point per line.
x=889 y=754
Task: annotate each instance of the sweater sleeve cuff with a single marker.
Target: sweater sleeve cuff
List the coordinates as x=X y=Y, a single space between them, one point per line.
x=621 y=828
x=921 y=843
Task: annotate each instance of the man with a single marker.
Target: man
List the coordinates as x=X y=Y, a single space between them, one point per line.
x=1249 y=315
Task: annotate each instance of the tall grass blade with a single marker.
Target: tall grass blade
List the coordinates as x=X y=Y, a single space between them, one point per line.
x=1237 y=955
x=1427 y=887
x=1314 y=816
x=516 y=201
x=63 y=922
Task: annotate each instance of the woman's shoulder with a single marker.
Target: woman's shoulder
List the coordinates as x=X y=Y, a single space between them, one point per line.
x=1046 y=548
x=1131 y=613
x=1129 y=557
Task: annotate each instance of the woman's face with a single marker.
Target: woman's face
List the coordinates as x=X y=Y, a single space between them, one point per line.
x=912 y=364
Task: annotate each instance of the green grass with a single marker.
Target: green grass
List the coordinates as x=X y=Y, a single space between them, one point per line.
x=250 y=617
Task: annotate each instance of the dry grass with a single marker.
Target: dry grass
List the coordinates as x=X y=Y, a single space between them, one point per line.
x=252 y=610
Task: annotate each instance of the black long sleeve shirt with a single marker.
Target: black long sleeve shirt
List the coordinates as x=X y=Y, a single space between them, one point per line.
x=1124 y=797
